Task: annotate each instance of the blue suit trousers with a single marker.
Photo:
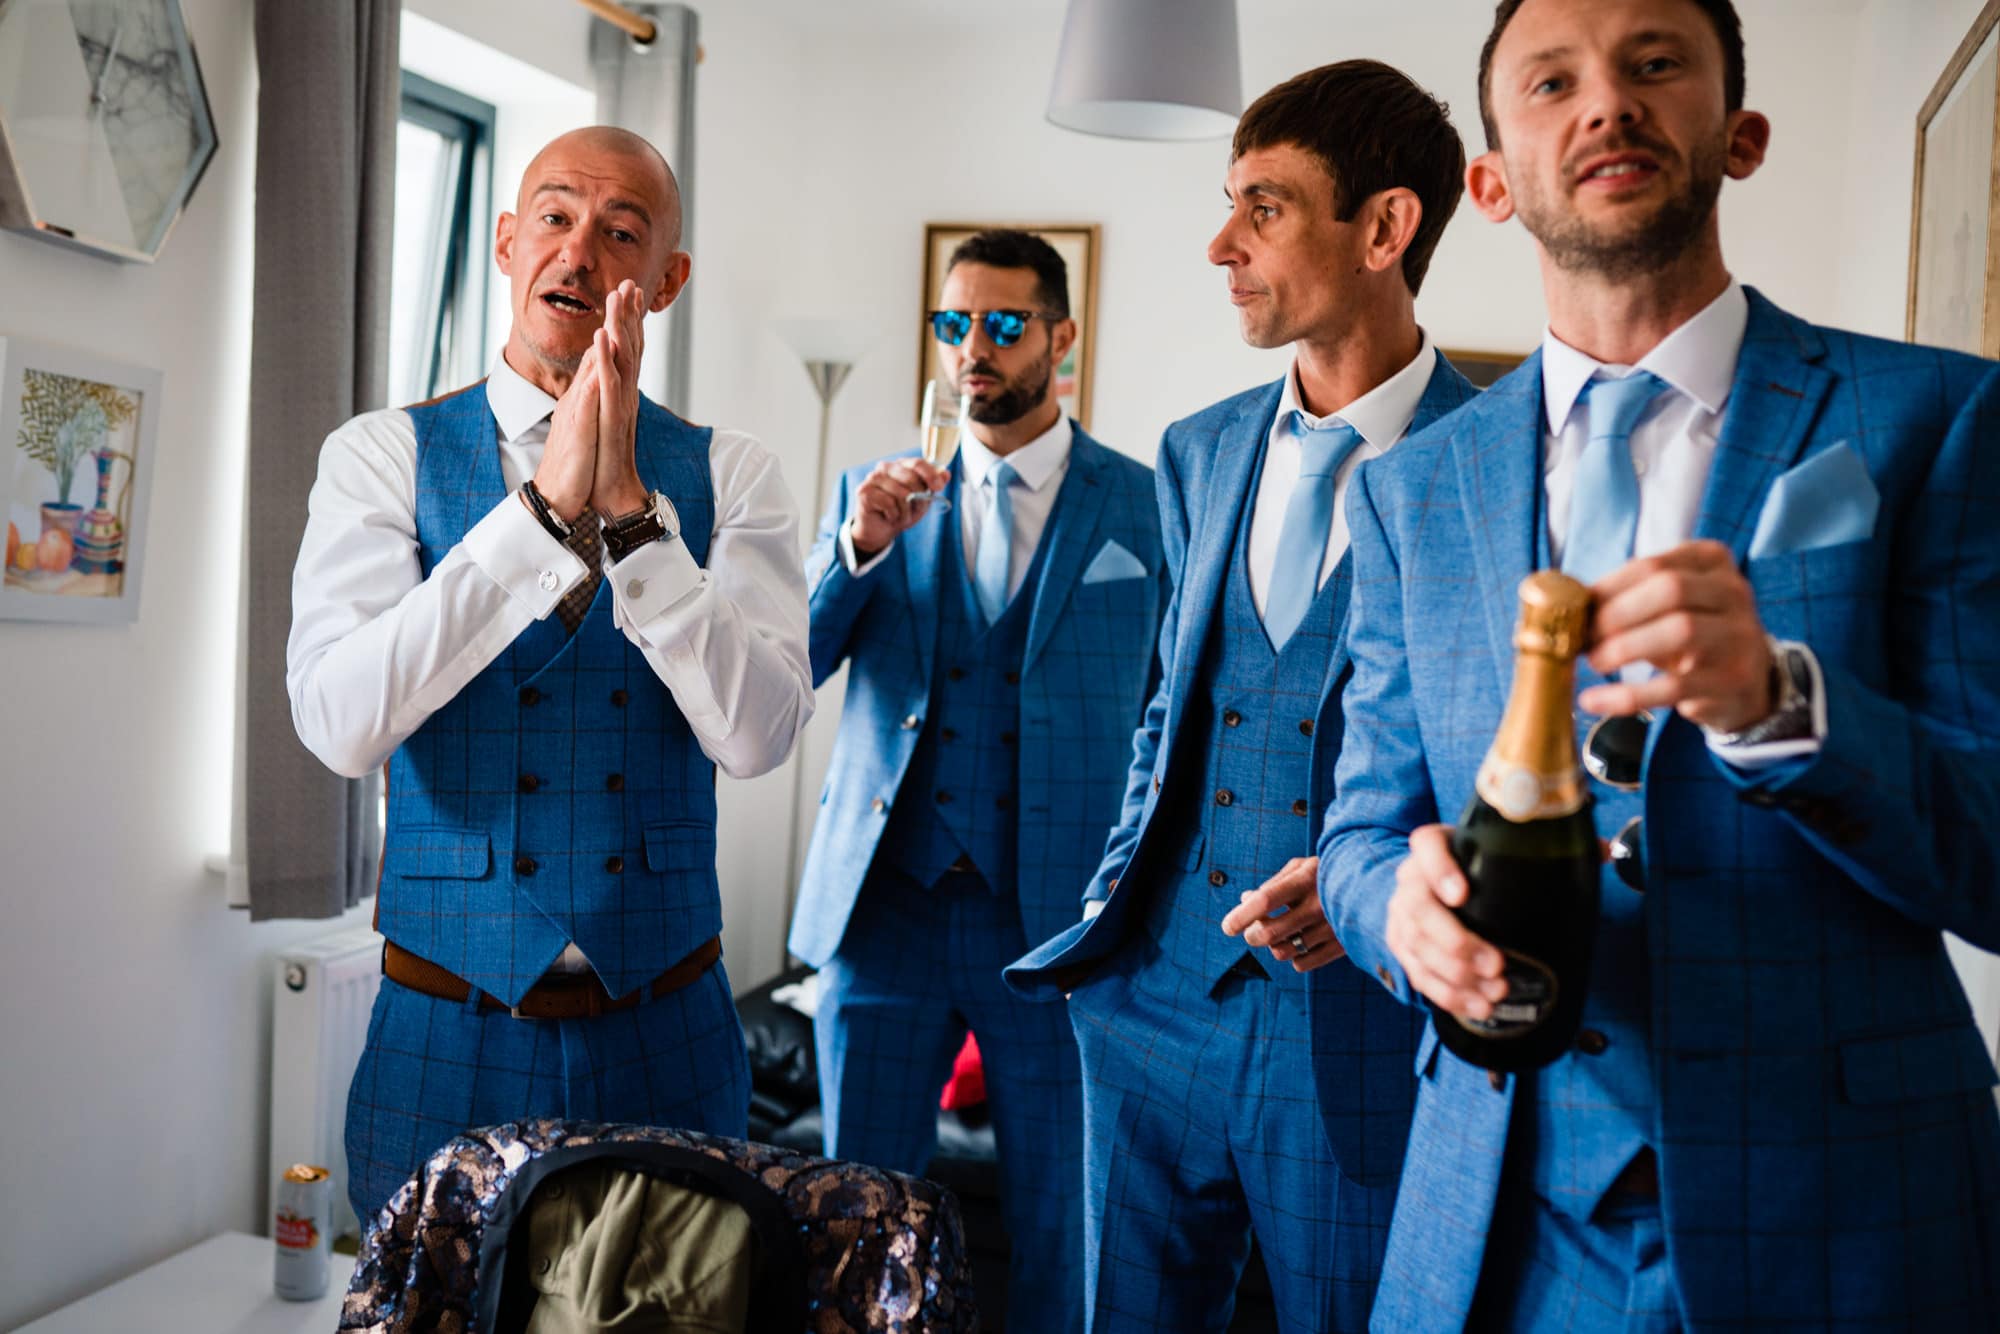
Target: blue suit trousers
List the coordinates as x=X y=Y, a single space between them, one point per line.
x=918 y=967
x=1204 y=1128
x=433 y=1068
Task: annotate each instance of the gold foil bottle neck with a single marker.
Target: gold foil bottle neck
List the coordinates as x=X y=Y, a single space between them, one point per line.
x=1554 y=611
x=1531 y=772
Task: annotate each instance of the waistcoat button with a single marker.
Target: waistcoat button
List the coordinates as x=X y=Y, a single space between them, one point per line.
x=529 y=783
x=524 y=865
x=1002 y=803
x=1231 y=718
x=1013 y=678
x=878 y=805
x=614 y=783
x=615 y=865
x=1224 y=797
x=912 y=723
x=943 y=797
x=1305 y=727
x=1217 y=878
x=955 y=674
x=1591 y=1042
x=947 y=734
x=1299 y=807
x=1006 y=738
x=530 y=697
x=618 y=698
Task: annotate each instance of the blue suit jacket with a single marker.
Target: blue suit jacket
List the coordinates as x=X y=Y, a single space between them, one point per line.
x=1206 y=465
x=1084 y=682
x=1827 y=1140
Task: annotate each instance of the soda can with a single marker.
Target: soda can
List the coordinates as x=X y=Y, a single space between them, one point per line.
x=304 y=1212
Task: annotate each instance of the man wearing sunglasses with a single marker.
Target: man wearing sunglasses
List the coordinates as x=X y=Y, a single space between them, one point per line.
x=999 y=655
x=1778 y=1112
x=1189 y=990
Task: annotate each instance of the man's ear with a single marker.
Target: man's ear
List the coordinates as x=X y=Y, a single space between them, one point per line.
x=1062 y=337
x=1396 y=213
x=1749 y=138
x=1486 y=185
x=503 y=244
x=679 y=265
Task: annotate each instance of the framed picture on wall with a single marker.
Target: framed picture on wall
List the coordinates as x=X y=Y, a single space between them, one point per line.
x=76 y=463
x=1077 y=243
x=1482 y=368
x=1954 y=297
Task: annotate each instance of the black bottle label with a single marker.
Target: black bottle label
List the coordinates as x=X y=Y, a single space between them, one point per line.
x=1531 y=998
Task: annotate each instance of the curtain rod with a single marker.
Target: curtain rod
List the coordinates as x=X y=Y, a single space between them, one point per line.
x=640 y=28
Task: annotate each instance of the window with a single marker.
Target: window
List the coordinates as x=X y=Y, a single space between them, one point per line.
x=437 y=309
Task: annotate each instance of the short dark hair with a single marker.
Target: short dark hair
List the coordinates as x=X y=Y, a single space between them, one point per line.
x=1373 y=129
x=1005 y=248
x=1721 y=13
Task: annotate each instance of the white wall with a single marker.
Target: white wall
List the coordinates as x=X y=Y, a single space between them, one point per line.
x=135 y=1035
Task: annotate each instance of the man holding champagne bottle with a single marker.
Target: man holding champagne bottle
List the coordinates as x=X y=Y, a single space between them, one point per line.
x=1776 y=1108
x=1203 y=1111
x=997 y=615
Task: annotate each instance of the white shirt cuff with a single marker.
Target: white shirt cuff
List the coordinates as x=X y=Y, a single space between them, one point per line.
x=521 y=556
x=1765 y=754
x=653 y=578
x=852 y=563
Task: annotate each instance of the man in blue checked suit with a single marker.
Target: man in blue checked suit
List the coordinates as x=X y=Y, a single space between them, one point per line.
x=556 y=610
x=1188 y=989
x=999 y=654
x=1778 y=1112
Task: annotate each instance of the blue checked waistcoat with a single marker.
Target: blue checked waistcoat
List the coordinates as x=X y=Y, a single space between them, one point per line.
x=1361 y=1040
x=1250 y=786
x=561 y=795
x=963 y=778
x=1817 y=1092
x=1086 y=672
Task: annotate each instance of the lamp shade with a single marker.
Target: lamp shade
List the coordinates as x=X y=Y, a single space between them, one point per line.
x=1149 y=69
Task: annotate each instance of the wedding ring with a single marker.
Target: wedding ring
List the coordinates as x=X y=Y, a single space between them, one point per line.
x=1298 y=942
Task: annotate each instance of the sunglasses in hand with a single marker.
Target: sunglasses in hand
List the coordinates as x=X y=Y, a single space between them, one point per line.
x=1003 y=327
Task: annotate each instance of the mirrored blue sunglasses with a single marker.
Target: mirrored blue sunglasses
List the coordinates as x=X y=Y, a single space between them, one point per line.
x=1003 y=327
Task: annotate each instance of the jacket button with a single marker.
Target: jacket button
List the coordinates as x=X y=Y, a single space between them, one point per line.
x=524 y=866
x=1382 y=975
x=615 y=865
x=1111 y=886
x=1156 y=782
x=1217 y=878
x=1224 y=797
x=1757 y=796
x=1299 y=807
x=943 y=797
x=955 y=674
x=1591 y=1042
x=912 y=723
x=530 y=697
x=878 y=805
x=1013 y=678
x=614 y=783
x=1006 y=738
x=1305 y=727
x=1003 y=803
x=947 y=734
x=1231 y=718
x=618 y=698
x=528 y=783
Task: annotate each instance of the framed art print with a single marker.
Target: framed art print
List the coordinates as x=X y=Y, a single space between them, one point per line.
x=1954 y=297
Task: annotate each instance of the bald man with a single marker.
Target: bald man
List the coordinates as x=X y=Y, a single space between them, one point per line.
x=554 y=609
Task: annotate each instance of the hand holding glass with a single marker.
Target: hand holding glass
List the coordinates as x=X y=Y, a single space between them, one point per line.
x=944 y=415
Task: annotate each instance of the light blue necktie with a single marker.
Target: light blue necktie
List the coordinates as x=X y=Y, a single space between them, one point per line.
x=1308 y=520
x=996 y=544
x=1604 y=500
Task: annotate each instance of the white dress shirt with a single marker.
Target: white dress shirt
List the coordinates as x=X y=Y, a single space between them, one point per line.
x=1040 y=466
x=1381 y=416
x=1673 y=450
x=376 y=648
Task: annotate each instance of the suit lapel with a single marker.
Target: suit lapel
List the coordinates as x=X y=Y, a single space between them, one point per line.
x=1497 y=452
x=1773 y=402
x=1071 y=539
x=923 y=560
x=1214 y=511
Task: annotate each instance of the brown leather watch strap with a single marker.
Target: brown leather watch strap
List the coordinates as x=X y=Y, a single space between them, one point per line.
x=554 y=997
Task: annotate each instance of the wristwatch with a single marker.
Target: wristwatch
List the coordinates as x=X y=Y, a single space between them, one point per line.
x=654 y=521
x=1792 y=719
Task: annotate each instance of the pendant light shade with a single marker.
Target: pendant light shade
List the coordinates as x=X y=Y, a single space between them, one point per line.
x=1149 y=69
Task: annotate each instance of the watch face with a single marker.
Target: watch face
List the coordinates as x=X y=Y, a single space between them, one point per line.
x=106 y=118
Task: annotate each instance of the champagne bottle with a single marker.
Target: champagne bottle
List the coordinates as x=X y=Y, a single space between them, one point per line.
x=1529 y=848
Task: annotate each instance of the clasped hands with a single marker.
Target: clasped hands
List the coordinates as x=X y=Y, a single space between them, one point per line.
x=590 y=460
x=1688 y=612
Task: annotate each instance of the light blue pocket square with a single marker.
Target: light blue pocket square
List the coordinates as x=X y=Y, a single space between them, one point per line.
x=1826 y=500
x=1113 y=562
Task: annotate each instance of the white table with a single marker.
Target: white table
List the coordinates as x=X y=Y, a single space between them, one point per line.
x=222 y=1284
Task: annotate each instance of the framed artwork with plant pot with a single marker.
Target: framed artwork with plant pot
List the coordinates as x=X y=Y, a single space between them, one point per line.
x=76 y=463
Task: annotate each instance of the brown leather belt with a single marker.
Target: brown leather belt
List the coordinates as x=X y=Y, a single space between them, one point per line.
x=558 y=996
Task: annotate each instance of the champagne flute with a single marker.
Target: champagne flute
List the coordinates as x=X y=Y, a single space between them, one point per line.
x=944 y=416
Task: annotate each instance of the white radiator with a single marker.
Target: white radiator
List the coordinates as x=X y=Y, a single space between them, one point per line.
x=321 y=997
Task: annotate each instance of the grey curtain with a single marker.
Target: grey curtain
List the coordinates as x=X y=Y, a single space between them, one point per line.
x=328 y=94
x=649 y=90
